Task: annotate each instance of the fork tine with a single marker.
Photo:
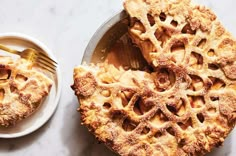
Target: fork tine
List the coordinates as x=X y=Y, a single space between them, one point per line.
x=53 y=72
x=47 y=61
x=42 y=55
x=46 y=57
x=40 y=59
x=48 y=65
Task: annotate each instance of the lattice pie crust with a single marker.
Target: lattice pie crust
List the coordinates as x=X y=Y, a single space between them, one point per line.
x=22 y=89
x=186 y=106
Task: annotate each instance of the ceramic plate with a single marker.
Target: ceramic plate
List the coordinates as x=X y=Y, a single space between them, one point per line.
x=49 y=105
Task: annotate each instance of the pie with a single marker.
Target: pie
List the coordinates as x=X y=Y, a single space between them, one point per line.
x=22 y=89
x=185 y=105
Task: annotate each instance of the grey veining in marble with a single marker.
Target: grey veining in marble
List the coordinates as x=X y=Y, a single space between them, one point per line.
x=66 y=28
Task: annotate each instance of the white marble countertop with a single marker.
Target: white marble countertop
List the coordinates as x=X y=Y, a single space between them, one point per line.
x=66 y=28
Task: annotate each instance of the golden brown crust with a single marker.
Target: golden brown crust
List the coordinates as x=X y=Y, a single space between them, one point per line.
x=128 y=113
x=187 y=106
x=22 y=89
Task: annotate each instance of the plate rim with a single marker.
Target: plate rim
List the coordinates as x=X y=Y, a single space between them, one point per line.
x=59 y=85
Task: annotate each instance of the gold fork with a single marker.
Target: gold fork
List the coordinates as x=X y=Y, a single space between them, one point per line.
x=36 y=57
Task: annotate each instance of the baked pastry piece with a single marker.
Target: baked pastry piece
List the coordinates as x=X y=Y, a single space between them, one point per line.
x=22 y=88
x=186 y=106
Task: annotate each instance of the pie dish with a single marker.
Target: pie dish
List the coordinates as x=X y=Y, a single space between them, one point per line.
x=42 y=102
x=185 y=105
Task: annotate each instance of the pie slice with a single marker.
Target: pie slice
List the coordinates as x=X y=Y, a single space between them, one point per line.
x=22 y=88
x=186 y=106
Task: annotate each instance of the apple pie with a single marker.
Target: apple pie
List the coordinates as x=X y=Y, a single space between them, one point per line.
x=185 y=105
x=22 y=88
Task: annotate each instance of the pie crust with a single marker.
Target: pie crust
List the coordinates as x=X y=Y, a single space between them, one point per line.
x=22 y=88
x=186 y=106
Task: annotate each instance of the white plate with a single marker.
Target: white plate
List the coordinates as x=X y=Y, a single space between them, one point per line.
x=49 y=105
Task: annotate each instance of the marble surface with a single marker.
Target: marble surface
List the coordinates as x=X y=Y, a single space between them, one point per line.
x=66 y=28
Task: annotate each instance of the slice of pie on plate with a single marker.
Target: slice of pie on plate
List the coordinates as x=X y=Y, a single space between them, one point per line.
x=186 y=106
x=22 y=89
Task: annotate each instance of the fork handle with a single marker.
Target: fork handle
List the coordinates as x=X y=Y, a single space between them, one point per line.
x=2 y=47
